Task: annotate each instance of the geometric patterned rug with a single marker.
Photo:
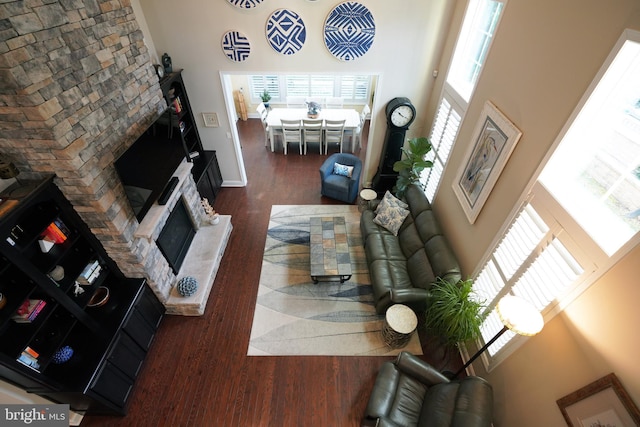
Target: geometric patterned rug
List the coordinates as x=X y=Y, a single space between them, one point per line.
x=294 y=316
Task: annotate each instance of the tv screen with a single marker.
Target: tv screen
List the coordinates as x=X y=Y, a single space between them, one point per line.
x=147 y=166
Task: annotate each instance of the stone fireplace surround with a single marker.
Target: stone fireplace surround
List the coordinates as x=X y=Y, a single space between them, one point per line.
x=78 y=88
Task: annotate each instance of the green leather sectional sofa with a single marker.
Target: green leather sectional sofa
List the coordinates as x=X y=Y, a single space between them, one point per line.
x=403 y=267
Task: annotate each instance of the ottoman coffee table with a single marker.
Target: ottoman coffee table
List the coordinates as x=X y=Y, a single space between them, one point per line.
x=329 y=249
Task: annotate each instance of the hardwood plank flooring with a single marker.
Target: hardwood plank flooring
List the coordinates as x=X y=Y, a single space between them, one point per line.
x=197 y=372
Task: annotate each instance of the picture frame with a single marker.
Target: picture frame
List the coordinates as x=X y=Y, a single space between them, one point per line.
x=603 y=403
x=210 y=120
x=494 y=139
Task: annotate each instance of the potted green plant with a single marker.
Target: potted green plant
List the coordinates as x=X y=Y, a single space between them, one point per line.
x=265 y=98
x=455 y=313
x=412 y=164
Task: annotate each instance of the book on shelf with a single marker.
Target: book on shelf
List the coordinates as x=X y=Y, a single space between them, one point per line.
x=6 y=205
x=90 y=273
x=29 y=310
x=56 y=232
x=28 y=360
x=177 y=105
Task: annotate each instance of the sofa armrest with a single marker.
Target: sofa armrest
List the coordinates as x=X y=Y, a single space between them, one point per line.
x=416 y=298
x=419 y=369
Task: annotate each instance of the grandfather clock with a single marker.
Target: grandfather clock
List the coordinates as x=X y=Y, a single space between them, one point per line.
x=400 y=114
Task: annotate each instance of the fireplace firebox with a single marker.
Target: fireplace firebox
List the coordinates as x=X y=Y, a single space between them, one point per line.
x=176 y=236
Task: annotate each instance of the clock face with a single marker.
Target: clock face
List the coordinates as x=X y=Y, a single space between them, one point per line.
x=402 y=116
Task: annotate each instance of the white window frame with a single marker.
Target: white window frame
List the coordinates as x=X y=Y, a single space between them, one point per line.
x=455 y=102
x=591 y=257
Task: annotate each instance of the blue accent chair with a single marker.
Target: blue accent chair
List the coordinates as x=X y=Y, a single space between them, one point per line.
x=337 y=186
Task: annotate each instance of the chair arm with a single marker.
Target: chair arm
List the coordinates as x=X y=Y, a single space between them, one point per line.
x=419 y=369
x=355 y=173
x=326 y=169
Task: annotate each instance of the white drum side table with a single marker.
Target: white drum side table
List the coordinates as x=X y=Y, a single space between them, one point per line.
x=366 y=196
x=399 y=324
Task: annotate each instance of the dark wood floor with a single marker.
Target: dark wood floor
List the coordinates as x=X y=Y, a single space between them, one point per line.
x=197 y=372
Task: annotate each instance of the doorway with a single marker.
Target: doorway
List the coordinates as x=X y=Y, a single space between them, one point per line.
x=233 y=82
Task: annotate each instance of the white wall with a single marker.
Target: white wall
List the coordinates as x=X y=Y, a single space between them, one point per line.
x=405 y=50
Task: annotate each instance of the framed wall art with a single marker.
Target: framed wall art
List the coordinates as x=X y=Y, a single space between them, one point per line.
x=603 y=403
x=494 y=138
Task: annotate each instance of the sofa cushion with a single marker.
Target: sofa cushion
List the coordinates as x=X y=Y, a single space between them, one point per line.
x=390 y=217
x=417 y=200
x=343 y=170
x=390 y=200
x=419 y=270
x=383 y=246
x=407 y=406
x=388 y=274
x=443 y=261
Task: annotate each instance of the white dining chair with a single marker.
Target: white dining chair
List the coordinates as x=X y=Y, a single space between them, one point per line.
x=291 y=133
x=263 y=112
x=333 y=133
x=296 y=102
x=334 y=102
x=312 y=132
x=358 y=132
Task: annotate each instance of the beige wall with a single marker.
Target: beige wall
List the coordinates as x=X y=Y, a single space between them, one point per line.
x=405 y=50
x=544 y=56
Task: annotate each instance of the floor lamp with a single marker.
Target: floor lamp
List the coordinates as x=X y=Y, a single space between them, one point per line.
x=516 y=314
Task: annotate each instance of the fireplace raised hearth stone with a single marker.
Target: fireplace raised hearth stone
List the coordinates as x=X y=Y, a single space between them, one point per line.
x=202 y=262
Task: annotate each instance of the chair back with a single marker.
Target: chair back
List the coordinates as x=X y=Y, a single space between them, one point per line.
x=262 y=111
x=312 y=132
x=291 y=132
x=334 y=102
x=333 y=133
x=363 y=115
x=296 y=102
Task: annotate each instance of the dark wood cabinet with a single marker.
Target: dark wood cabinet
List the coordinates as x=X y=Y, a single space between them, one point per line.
x=206 y=173
x=54 y=340
x=180 y=117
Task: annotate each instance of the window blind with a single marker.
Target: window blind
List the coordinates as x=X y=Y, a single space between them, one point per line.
x=443 y=135
x=259 y=83
x=530 y=262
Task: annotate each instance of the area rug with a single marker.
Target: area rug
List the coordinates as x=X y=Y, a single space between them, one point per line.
x=294 y=316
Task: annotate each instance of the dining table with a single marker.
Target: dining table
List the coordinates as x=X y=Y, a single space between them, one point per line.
x=275 y=115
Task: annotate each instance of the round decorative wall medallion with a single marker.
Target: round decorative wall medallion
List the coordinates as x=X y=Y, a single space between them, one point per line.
x=286 y=32
x=349 y=30
x=236 y=46
x=245 y=4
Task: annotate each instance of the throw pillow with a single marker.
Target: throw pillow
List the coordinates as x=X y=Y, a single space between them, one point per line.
x=343 y=170
x=391 y=217
x=390 y=200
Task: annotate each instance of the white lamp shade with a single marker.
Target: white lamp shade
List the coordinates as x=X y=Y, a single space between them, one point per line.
x=519 y=315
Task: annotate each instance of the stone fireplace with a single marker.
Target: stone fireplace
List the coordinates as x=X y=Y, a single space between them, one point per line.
x=77 y=89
